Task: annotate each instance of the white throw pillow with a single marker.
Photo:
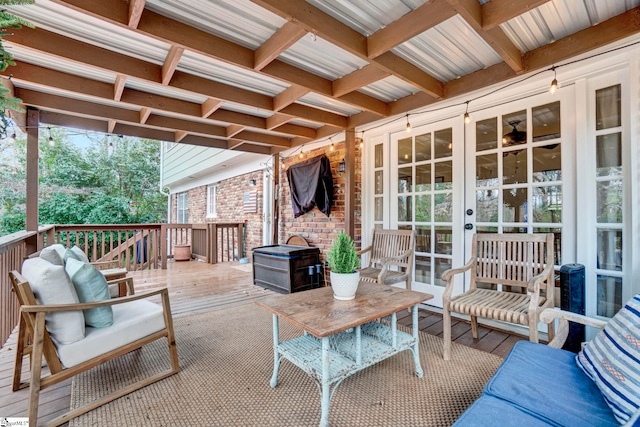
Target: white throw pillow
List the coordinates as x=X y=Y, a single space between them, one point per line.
x=52 y=254
x=91 y=286
x=51 y=285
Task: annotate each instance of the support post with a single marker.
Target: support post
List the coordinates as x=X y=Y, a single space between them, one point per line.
x=276 y=196
x=33 y=122
x=350 y=182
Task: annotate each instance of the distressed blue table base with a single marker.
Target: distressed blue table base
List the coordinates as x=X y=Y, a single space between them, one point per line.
x=329 y=360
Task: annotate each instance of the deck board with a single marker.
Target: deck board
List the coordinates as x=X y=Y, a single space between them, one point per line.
x=196 y=287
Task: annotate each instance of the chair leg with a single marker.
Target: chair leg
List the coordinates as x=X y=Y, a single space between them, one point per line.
x=36 y=368
x=20 y=346
x=474 y=327
x=446 y=332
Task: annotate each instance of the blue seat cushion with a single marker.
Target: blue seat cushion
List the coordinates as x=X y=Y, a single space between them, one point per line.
x=547 y=383
x=491 y=411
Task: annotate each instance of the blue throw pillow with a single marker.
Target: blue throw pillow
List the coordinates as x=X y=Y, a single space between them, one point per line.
x=75 y=253
x=612 y=361
x=91 y=286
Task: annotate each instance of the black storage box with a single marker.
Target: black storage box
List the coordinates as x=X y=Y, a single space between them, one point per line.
x=286 y=268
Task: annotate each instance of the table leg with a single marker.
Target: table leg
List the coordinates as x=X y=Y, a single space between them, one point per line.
x=276 y=355
x=416 y=346
x=326 y=389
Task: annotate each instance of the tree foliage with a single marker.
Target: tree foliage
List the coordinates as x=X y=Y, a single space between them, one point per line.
x=111 y=181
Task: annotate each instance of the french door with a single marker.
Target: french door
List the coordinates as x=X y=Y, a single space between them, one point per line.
x=426 y=195
x=519 y=176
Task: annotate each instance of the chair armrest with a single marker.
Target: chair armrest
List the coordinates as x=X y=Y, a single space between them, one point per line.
x=103 y=265
x=534 y=283
x=127 y=281
x=548 y=315
x=447 y=275
x=391 y=260
x=49 y=308
x=365 y=250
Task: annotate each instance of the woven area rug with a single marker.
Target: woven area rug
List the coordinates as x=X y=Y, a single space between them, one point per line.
x=226 y=360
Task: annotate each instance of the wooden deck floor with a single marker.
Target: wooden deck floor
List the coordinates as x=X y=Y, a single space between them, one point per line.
x=196 y=287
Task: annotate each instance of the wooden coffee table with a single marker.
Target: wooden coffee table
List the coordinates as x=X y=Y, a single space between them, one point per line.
x=342 y=337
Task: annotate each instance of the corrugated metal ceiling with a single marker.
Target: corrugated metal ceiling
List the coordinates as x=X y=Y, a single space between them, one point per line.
x=306 y=71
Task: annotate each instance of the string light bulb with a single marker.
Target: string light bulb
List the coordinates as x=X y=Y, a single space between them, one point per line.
x=467 y=117
x=554 y=82
x=301 y=155
x=332 y=147
x=51 y=141
x=408 y=125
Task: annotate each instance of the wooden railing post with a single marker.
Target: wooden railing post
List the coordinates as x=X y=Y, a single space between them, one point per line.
x=240 y=240
x=163 y=246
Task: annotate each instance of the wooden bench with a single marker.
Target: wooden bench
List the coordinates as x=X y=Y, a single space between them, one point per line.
x=500 y=264
x=389 y=257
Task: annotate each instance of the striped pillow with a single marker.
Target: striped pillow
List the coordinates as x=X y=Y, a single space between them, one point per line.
x=612 y=361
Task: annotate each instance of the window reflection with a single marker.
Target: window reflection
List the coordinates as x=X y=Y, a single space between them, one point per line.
x=609 y=295
x=404 y=208
x=443 y=207
x=514 y=167
x=547 y=204
x=487 y=170
x=423 y=147
x=515 y=204
x=609 y=154
x=546 y=122
x=423 y=238
x=378 y=208
x=487 y=134
x=444 y=175
x=443 y=143
x=423 y=208
x=423 y=177
x=608 y=105
x=423 y=269
x=487 y=205
x=404 y=180
x=547 y=163
x=609 y=201
x=378 y=163
x=379 y=179
x=405 y=153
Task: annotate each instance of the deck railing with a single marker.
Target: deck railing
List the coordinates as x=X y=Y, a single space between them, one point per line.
x=136 y=246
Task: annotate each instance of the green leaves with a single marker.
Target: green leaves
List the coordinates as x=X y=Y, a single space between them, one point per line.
x=343 y=257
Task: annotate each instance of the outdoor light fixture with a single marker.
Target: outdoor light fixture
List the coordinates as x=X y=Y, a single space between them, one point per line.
x=554 y=82
x=515 y=136
x=341 y=166
x=408 y=124
x=252 y=182
x=467 y=118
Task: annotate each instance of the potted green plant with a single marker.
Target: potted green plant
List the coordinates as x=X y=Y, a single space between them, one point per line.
x=344 y=261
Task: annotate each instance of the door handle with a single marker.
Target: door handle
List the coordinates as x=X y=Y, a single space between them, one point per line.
x=468 y=226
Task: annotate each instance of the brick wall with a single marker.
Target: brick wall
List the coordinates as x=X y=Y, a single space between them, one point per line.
x=318 y=229
x=230 y=206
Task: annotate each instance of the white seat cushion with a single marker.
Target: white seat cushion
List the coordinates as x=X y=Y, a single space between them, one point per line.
x=131 y=321
x=51 y=285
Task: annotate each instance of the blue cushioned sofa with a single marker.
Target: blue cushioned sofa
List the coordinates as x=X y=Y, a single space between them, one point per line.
x=539 y=385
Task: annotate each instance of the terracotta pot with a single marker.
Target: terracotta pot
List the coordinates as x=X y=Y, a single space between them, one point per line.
x=182 y=252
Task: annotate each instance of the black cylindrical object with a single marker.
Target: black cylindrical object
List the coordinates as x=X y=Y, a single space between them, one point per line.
x=572 y=298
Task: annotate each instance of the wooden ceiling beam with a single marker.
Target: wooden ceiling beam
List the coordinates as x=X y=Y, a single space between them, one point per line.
x=210 y=106
x=144 y=114
x=171 y=63
x=122 y=64
x=313 y=115
x=111 y=125
x=277 y=120
x=118 y=86
x=496 y=12
x=606 y=32
x=291 y=129
x=410 y=25
x=325 y=26
x=357 y=79
x=288 y=97
x=174 y=32
x=264 y=138
x=471 y=12
x=285 y=37
x=136 y=7
x=180 y=135
x=233 y=130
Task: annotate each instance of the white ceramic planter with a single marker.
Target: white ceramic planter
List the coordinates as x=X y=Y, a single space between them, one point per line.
x=344 y=285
